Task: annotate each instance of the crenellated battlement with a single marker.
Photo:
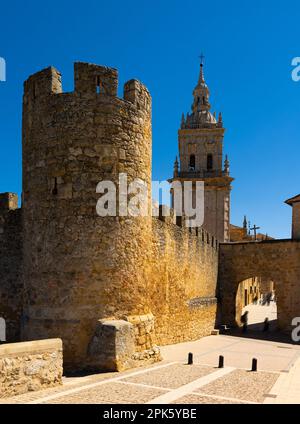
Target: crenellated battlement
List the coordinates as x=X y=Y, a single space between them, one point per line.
x=90 y=81
x=136 y=93
x=95 y=79
x=171 y=219
x=43 y=83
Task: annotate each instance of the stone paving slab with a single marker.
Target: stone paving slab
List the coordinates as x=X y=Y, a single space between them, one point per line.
x=110 y=393
x=198 y=399
x=286 y=390
x=172 y=377
x=243 y=385
x=189 y=388
x=67 y=384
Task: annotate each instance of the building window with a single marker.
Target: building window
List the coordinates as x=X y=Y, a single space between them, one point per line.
x=192 y=163
x=209 y=162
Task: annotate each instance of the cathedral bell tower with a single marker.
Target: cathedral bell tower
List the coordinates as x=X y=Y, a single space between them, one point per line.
x=201 y=159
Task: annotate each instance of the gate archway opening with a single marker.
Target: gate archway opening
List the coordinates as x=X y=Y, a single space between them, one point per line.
x=256 y=304
x=277 y=260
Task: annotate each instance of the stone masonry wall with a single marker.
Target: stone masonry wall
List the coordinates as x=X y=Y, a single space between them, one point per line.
x=183 y=283
x=30 y=366
x=276 y=260
x=11 y=294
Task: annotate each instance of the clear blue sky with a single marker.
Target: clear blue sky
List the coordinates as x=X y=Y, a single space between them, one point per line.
x=248 y=47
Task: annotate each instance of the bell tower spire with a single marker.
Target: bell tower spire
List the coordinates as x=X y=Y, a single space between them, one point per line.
x=201 y=75
x=201 y=92
x=201 y=159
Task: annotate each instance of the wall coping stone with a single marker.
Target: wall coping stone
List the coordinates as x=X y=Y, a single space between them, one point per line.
x=261 y=242
x=30 y=347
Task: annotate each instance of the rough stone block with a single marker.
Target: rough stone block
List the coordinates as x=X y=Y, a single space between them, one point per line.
x=112 y=346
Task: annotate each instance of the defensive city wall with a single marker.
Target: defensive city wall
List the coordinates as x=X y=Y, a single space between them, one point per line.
x=112 y=288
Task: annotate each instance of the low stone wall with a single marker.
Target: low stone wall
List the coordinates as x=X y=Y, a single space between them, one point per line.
x=30 y=366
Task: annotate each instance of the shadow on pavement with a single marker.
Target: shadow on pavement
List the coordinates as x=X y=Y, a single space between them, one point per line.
x=255 y=331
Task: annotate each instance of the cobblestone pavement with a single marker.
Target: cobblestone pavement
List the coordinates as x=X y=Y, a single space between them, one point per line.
x=173 y=381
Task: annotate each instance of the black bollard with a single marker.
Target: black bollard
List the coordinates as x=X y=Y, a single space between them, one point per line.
x=254 y=364
x=221 y=361
x=190 y=359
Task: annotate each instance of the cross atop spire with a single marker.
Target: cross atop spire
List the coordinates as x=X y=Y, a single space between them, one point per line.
x=201 y=76
x=201 y=57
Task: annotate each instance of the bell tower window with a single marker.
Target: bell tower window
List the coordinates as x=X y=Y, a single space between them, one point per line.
x=192 y=163
x=209 y=165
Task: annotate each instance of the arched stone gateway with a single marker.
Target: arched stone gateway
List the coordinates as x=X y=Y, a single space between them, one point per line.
x=278 y=260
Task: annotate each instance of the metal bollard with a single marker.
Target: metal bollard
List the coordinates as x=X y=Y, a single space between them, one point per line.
x=190 y=359
x=254 y=364
x=221 y=361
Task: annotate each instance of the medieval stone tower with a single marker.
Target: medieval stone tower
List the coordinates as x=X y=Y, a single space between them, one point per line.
x=201 y=159
x=79 y=267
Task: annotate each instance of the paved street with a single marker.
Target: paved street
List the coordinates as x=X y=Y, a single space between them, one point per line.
x=173 y=381
x=258 y=313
